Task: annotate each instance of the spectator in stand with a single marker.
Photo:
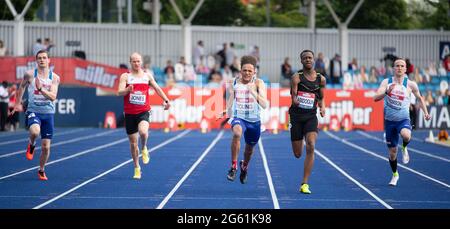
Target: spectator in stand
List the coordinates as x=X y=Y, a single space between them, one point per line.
x=13 y=118
x=48 y=44
x=409 y=67
x=336 y=69
x=222 y=55
x=363 y=74
x=3 y=49
x=38 y=46
x=320 y=66
x=446 y=63
x=200 y=68
x=214 y=80
x=199 y=53
x=169 y=71
x=236 y=66
x=353 y=66
x=227 y=74
x=231 y=54
x=429 y=100
x=446 y=97
x=439 y=98
x=255 y=53
x=417 y=76
x=286 y=73
x=373 y=75
x=4 y=100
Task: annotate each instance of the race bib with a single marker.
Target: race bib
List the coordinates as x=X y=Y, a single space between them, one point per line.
x=137 y=98
x=306 y=100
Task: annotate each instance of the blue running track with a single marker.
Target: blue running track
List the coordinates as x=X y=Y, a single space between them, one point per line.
x=92 y=168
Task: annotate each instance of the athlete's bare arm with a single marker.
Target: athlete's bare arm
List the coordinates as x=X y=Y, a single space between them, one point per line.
x=159 y=91
x=53 y=92
x=122 y=83
x=321 y=102
x=295 y=79
x=416 y=92
x=383 y=90
x=230 y=92
x=259 y=91
x=23 y=84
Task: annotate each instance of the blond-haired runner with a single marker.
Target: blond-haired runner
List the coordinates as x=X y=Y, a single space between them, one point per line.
x=134 y=87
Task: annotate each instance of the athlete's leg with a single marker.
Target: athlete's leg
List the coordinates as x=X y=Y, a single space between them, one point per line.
x=296 y=131
x=133 y=138
x=143 y=133
x=248 y=152
x=297 y=147
x=34 y=130
x=405 y=133
x=45 y=153
x=236 y=143
x=309 y=159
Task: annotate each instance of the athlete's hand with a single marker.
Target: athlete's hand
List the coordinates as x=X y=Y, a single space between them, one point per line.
x=390 y=88
x=322 y=112
x=37 y=82
x=166 y=105
x=130 y=88
x=427 y=117
x=17 y=108
x=252 y=88
x=295 y=102
x=221 y=115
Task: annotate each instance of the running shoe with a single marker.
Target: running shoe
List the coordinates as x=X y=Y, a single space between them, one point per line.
x=305 y=189
x=405 y=154
x=30 y=152
x=394 y=179
x=231 y=174
x=243 y=175
x=145 y=156
x=137 y=173
x=41 y=175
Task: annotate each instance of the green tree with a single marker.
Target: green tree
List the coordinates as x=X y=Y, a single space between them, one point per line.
x=440 y=18
x=5 y=13
x=386 y=14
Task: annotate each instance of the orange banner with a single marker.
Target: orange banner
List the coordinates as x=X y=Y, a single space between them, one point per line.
x=72 y=71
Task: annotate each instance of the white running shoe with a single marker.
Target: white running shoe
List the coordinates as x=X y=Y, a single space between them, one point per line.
x=394 y=179
x=405 y=154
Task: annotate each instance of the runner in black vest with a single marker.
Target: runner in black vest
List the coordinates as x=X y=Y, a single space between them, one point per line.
x=307 y=94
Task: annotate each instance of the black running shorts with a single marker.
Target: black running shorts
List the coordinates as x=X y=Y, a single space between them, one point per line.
x=300 y=125
x=132 y=121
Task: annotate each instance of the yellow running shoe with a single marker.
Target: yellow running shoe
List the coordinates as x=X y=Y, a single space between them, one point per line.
x=305 y=189
x=145 y=156
x=137 y=173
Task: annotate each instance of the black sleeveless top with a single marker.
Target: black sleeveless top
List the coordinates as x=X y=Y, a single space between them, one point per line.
x=308 y=94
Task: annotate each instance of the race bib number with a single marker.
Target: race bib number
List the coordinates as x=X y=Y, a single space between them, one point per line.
x=137 y=98
x=306 y=100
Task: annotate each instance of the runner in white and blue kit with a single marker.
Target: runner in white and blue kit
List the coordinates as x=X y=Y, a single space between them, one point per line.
x=247 y=97
x=42 y=85
x=396 y=92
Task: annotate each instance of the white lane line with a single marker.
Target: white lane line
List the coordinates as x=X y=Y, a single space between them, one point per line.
x=26 y=139
x=109 y=171
x=354 y=180
x=409 y=148
x=276 y=205
x=62 y=142
x=67 y=158
x=383 y=158
x=174 y=189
